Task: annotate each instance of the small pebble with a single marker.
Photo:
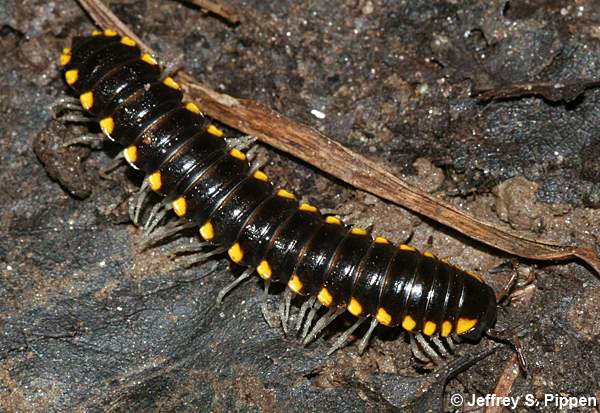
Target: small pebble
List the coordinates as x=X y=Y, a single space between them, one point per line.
x=317 y=114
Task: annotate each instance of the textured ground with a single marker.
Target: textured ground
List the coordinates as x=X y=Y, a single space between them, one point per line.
x=90 y=323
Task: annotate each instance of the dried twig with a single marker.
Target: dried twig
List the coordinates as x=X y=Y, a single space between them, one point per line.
x=217 y=8
x=313 y=147
x=566 y=91
x=505 y=384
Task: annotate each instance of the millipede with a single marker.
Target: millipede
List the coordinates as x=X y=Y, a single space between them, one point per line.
x=211 y=185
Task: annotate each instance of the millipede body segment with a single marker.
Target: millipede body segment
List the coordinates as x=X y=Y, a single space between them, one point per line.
x=188 y=162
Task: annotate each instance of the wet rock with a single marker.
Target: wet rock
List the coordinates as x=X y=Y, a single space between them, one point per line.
x=582 y=314
x=590 y=167
x=88 y=322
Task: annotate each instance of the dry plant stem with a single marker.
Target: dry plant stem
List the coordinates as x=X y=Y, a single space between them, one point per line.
x=306 y=143
x=217 y=8
x=505 y=384
x=311 y=146
x=103 y=17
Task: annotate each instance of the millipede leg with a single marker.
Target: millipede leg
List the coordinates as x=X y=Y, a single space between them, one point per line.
x=303 y=309
x=242 y=143
x=193 y=259
x=244 y=276
x=440 y=346
x=256 y=165
x=165 y=231
x=417 y=351
x=66 y=103
x=430 y=351
x=512 y=339
x=452 y=340
x=91 y=140
x=264 y=307
x=157 y=213
x=367 y=337
x=75 y=118
x=172 y=67
x=450 y=344
x=188 y=248
x=309 y=319
x=284 y=310
x=135 y=205
x=506 y=289
x=343 y=339
x=114 y=164
x=252 y=152
x=258 y=158
x=323 y=322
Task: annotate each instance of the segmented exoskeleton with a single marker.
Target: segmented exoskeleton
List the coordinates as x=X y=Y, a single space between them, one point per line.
x=211 y=185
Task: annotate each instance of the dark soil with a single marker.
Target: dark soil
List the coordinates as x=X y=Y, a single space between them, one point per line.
x=89 y=322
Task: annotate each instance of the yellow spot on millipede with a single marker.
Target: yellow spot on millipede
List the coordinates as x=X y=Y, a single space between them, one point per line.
x=192 y=107
x=477 y=277
x=429 y=254
x=65 y=57
x=180 y=206
x=213 y=130
x=354 y=307
x=408 y=323
x=110 y=33
x=155 y=181
x=381 y=240
x=261 y=176
x=107 y=125
x=87 y=100
x=464 y=325
x=358 y=231
x=429 y=328
x=235 y=253
x=307 y=207
x=128 y=41
x=237 y=154
x=383 y=317
x=97 y=32
x=130 y=154
x=171 y=83
x=264 y=270
x=407 y=247
x=147 y=57
x=285 y=194
x=71 y=76
x=325 y=297
x=333 y=220
x=207 y=231
x=446 y=328
x=295 y=284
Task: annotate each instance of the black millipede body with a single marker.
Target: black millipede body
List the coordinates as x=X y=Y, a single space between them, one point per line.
x=188 y=162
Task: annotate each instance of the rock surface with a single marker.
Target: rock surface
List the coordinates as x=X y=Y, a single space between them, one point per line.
x=89 y=322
